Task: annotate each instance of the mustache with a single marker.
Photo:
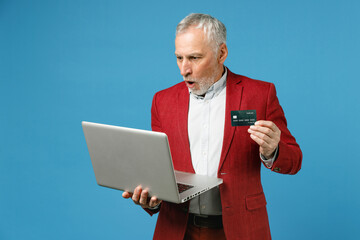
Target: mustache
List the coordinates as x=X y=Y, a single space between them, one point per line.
x=189 y=79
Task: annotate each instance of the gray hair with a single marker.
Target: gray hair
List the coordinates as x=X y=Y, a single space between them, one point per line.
x=213 y=28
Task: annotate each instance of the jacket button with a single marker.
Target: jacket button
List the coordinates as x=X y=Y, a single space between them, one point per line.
x=277 y=169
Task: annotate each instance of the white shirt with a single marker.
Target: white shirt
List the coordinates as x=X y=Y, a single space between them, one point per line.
x=206 y=121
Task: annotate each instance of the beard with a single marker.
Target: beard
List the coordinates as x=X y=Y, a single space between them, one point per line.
x=203 y=83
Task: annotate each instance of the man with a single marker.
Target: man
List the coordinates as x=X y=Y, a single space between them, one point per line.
x=196 y=116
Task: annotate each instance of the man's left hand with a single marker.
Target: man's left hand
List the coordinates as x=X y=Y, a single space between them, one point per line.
x=267 y=135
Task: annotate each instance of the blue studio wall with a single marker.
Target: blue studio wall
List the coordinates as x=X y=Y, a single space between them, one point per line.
x=62 y=62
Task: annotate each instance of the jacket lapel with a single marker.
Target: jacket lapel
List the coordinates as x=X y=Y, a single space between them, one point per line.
x=233 y=102
x=182 y=119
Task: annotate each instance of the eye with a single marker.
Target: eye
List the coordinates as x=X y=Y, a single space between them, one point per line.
x=194 y=58
x=179 y=58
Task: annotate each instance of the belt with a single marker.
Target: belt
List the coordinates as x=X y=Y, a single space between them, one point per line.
x=205 y=221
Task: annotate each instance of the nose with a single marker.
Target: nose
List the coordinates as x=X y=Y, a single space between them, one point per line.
x=185 y=68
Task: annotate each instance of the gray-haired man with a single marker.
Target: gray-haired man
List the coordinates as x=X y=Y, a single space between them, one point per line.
x=203 y=140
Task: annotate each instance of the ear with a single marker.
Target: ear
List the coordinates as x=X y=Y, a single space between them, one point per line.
x=222 y=53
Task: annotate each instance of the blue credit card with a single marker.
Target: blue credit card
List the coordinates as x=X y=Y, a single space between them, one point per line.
x=243 y=118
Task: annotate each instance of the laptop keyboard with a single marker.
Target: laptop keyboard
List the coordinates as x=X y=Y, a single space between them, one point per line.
x=183 y=187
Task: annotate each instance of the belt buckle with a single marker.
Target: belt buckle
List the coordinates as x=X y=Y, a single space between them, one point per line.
x=199 y=217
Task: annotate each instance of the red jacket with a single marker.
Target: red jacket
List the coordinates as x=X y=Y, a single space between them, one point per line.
x=242 y=197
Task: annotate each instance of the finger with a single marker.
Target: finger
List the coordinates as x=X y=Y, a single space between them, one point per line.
x=261 y=142
x=153 y=201
x=136 y=194
x=265 y=149
x=126 y=194
x=264 y=130
x=268 y=124
x=144 y=197
x=268 y=144
x=266 y=138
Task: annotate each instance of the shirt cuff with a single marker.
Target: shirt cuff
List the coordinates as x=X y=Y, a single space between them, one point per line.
x=269 y=162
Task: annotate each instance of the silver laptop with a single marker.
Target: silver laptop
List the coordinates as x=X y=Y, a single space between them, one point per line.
x=124 y=158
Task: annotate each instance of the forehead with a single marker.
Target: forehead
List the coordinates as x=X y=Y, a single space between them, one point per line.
x=191 y=41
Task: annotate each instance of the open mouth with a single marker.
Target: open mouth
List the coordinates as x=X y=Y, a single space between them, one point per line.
x=189 y=84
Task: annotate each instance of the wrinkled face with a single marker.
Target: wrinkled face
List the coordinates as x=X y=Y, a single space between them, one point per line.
x=197 y=60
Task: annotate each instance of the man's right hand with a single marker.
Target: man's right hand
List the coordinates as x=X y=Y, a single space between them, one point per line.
x=140 y=197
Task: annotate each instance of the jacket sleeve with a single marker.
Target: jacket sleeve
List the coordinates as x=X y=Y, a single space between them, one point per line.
x=155 y=120
x=289 y=156
x=155 y=126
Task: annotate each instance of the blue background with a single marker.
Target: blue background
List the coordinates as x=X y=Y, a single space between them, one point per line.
x=62 y=62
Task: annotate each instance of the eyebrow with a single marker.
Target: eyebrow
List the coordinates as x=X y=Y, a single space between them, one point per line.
x=191 y=54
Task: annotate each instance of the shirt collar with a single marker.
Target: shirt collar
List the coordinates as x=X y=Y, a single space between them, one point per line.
x=215 y=89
